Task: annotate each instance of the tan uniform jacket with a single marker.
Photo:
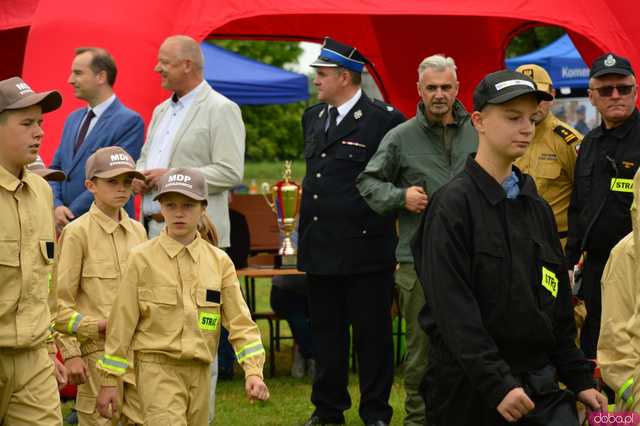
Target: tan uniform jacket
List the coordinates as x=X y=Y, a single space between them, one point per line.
x=550 y=160
x=172 y=301
x=619 y=343
x=93 y=254
x=27 y=295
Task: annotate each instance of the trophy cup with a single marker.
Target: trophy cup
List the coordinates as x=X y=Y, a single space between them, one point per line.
x=285 y=203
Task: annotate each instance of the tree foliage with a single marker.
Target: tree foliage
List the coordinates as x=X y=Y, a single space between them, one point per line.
x=533 y=39
x=273 y=131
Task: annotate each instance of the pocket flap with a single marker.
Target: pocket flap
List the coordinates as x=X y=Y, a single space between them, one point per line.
x=550 y=170
x=352 y=153
x=164 y=295
x=9 y=253
x=85 y=403
x=104 y=270
x=490 y=246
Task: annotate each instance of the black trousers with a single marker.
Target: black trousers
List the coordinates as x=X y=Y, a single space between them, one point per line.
x=364 y=302
x=592 y=293
x=451 y=399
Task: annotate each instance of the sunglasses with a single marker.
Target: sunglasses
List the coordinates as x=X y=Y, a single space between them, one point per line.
x=606 y=91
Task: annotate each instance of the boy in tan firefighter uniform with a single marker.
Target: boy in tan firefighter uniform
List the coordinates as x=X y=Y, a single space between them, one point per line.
x=619 y=343
x=28 y=369
x=551 y=156
x=177 y=292
x=93 y=253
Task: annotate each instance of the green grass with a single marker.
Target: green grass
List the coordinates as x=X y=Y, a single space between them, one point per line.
x=290 y=403
x=271 y=172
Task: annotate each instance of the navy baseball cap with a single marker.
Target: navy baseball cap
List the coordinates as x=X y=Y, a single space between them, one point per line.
x=336 y=54
x=610 y=63
x=502 y=86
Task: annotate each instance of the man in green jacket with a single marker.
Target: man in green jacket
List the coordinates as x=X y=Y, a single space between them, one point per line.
x=414 y=160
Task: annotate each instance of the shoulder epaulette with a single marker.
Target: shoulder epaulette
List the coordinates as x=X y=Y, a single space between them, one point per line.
x=568 y=135
x=321 y=105
x=383 y=105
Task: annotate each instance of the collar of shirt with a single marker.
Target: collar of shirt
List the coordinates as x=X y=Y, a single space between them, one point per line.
x=9 y=182
x=344 y=109
x=173 y=247
x=618 y=132
x=99 y=109
x=492 y=190
x=106 y=223
x=510 y=186
x=186 y=100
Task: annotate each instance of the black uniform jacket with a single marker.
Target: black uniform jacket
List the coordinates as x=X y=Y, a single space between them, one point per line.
x=598 y=215
x=339 y=234
x=497 y=290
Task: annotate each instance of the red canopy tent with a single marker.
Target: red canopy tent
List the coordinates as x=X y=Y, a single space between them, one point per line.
x=395 y=36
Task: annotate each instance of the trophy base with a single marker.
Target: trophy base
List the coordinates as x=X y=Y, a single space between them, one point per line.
x=286 y=261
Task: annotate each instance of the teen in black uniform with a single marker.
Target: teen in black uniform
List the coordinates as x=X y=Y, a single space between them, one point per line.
x=603 y=186
x=498 y=311
x=346 y=249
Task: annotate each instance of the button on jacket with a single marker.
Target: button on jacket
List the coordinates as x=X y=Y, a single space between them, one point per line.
x=599 y=210
x=92 y=257
x=415 y=153
x=497 y=290
x=339 y=233
x=550 y=160
x=26 y=260
x=172 y=301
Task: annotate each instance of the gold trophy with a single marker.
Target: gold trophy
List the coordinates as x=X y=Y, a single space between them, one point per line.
x=285 y=203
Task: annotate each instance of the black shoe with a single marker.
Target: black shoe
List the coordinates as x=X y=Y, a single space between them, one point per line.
x=316 y=421
x=377 y=423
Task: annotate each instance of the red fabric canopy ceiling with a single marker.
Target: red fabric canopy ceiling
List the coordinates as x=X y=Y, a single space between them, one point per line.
x=395 y=36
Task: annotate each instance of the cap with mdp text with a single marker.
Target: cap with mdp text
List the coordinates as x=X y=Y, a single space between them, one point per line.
x=336 y=54
x=539 y=75
x=502 y=86
x=610 y=63
x=38 y=167
x=16 y=94
x=110 y=162
x=188 y=182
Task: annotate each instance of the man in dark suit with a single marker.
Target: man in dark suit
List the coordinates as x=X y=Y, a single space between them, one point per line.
x=346 y=249
x=105 y=122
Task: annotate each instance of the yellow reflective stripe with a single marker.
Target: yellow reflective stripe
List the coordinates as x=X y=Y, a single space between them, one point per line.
x=74 y=322
x=621 y=185
x=112 y=368
x=250 y=350
x=116 y=360
x=626 y=391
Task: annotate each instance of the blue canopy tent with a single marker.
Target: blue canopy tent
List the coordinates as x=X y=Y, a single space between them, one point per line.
x=561 y=60
x=249 y=82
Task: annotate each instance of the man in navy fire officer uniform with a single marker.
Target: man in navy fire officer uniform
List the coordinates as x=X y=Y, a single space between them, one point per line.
x=603 y=185
x=498 y=304
x=345 y=248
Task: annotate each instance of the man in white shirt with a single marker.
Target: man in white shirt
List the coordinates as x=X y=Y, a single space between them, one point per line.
x=105 y=121
x=196 y=127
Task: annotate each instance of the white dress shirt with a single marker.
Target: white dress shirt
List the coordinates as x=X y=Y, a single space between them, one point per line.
x=344 y=108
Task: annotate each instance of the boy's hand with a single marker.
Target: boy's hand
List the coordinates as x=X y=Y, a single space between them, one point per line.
x=515 y=405
x=107 y=401
x=59 y=371
x=77 y=370
x=256 y=389
x=594 y=400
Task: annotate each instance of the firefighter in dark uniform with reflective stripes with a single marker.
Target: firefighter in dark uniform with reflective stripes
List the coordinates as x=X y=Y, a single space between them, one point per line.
x=607 y=161
x=346 y=249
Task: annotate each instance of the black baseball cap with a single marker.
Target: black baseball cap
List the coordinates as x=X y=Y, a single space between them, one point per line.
x=610 y=63
x=502 y=86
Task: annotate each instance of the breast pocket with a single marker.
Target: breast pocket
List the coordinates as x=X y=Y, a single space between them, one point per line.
x=353 y=153
x=488 y=264
x=101 y=280
x=548 y=172
x=209 y=303
x=158 y=309
x=582 y=184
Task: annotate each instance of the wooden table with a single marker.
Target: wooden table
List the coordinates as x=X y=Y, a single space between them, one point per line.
x=250 y=274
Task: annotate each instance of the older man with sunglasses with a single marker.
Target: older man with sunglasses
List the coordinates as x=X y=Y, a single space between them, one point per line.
x=607 y=161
